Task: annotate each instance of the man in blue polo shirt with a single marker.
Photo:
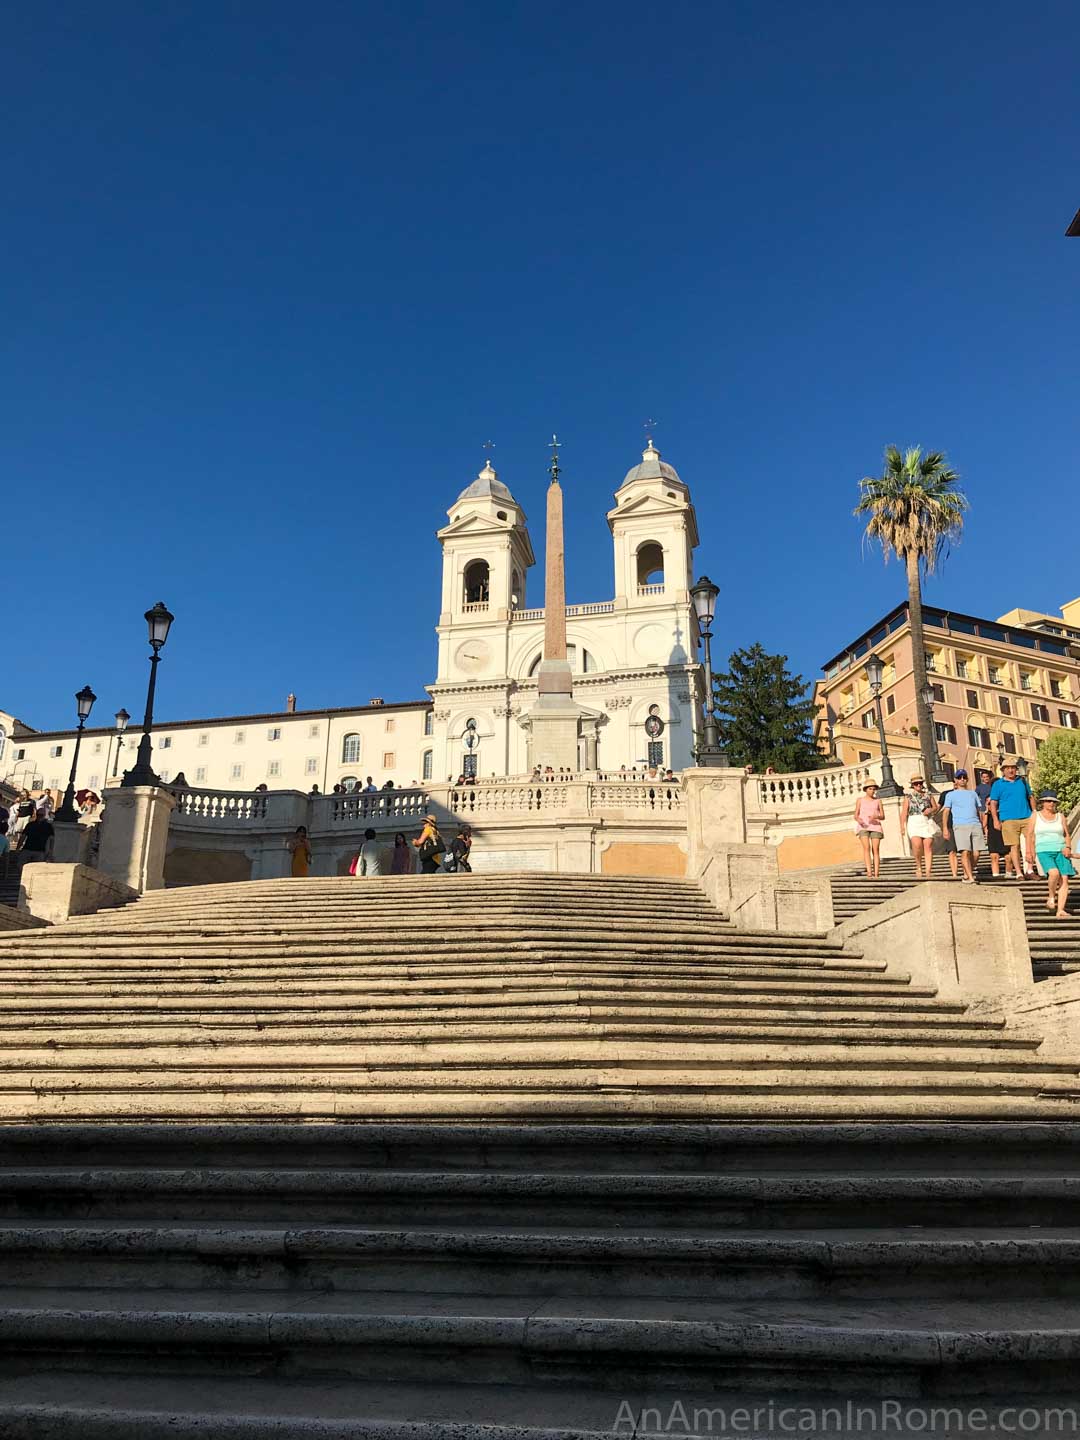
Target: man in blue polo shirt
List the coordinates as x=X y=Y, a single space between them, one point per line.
x=1010 y=810
x=963 y=809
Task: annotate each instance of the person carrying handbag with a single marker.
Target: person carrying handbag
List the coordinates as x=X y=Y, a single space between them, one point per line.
x=429 y=846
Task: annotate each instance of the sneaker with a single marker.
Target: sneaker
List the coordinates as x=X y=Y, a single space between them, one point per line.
x=966 y=881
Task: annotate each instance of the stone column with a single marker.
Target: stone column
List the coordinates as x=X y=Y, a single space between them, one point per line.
x=134 y=835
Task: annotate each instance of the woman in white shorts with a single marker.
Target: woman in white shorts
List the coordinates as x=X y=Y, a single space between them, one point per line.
x=917 y=818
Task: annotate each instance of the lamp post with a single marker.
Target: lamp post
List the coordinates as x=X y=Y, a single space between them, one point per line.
x=937 y=774
x=875 y=672
x=158 y=621
x=85 y=702
x=709 y=751
x=122 y=718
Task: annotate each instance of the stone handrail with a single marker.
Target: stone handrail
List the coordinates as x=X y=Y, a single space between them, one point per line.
x=357 y=805
x=226 y=805
x=806 y=789
x=595 y=607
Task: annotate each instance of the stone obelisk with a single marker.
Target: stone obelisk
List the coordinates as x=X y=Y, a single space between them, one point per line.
x=554 y=721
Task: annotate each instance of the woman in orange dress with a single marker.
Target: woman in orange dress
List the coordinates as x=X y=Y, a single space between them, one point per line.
x=300 y=846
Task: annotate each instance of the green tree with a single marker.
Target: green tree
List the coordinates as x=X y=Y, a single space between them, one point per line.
x=765 y=714
x=915 y=511
x=1058 y=768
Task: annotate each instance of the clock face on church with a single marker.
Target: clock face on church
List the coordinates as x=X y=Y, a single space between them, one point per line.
x=472 y=656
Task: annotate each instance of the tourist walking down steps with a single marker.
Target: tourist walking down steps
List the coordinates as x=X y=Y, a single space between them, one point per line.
x=1010 y=811
x=917 y=820
x=1049 y=845
x=869 y=827
x=964 y=811
x=300 y=846
x=429 y=845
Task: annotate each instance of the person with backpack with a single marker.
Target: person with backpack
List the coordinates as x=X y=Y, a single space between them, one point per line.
x=1010 y=810
x=429 y=845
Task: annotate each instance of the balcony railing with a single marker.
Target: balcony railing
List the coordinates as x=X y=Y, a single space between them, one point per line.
x=573 y=612
x=644 y=590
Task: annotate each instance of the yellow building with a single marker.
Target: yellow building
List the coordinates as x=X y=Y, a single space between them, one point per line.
x=1002 y=687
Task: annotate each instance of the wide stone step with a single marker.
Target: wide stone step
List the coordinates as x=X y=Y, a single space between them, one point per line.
x=548 y=1027
x=772 y=1201
x=898 y=1345
x=497 y=1260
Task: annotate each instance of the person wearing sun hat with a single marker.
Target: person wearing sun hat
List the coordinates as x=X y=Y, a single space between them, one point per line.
x=964 y=816
x=869 y=827
x=1010 y=810
x=1049 y=845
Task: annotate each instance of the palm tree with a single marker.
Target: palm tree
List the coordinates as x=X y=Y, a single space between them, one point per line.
x=915 y=511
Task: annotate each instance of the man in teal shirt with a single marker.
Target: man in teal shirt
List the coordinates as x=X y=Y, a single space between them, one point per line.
x=1010 y=810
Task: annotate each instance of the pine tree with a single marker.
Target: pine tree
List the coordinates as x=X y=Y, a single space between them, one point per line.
x=765 y=713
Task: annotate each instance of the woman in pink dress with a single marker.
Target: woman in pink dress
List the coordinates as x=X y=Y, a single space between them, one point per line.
x=869 y=822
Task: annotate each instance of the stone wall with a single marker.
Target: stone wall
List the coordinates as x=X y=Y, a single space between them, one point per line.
x=52 y=892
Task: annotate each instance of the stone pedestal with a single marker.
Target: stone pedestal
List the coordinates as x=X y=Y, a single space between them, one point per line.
x=71 y=842
x=134 y=832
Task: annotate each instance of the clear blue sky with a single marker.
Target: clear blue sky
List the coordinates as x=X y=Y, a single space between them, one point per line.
x=272 y=273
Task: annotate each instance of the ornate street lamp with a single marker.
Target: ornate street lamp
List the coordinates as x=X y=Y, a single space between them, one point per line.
x=875 y=673
x=709 y=751
x=158 y=621
x=937 y=774
x=85 y=702
x=122 y=718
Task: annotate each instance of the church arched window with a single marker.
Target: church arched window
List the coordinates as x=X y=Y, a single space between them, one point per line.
x=650 y=563
x=427 y=765
x=581 y=664
x=517 y=595
x=350 y=750
x=477 y=582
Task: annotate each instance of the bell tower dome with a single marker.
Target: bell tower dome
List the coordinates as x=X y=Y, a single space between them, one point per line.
x=654 y=531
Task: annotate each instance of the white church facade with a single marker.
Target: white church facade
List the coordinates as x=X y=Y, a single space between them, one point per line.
x=633 y=657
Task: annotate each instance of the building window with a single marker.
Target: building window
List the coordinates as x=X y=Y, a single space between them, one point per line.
x=939 y=694
x=311 y=766
x=55 y=751
x=949 y=768
x=350 y=750
x=1068 y=719
x=200 y=775
x=1041 y=713
x=961 y=668
x=931 y=661
x=237 y=772
x=1055 y=687
x=864 y=755
x=945 y=733
x=972 y=698
x=978 y=738
x=274 y=733
x=388 y=760
x=477 y=582
x=163 y=774
x=204 y=739
x=429 y=722
x=97 y=747
x=1026 y=679
x=1009 y=741
x=273 y=770
x=890 y=704
x=313 y=732
x=1038 y=745
x=238 y=738
x=165 y=743
x=655 y=752
x=390 y=724
x=350 y=783
x=54 y=782
x=1004 y=705
x=868 y=720
x=20 y=754
x=995 y=674
x=426 y=765
x=94 y=781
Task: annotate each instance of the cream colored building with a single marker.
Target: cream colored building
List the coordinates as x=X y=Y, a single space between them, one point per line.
x=633 y=655
x=1002 y=687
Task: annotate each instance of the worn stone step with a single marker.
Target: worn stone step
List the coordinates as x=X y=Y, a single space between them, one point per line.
x=491 y=1260
x=943 y=1345
x=768 y=1200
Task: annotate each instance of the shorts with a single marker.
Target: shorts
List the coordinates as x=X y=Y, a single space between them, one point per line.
x=1012 y=831
x=1048 y=860
x=879 y=833
x=969 y=837
x=994 y=843
x=919 y=827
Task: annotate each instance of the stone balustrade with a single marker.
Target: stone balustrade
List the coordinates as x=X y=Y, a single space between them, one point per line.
x=805 y=790
x=573 y=612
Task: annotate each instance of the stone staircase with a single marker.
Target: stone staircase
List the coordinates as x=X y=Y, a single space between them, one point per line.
x=497 y=997
x=529 y=1282
x=1055 y=944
